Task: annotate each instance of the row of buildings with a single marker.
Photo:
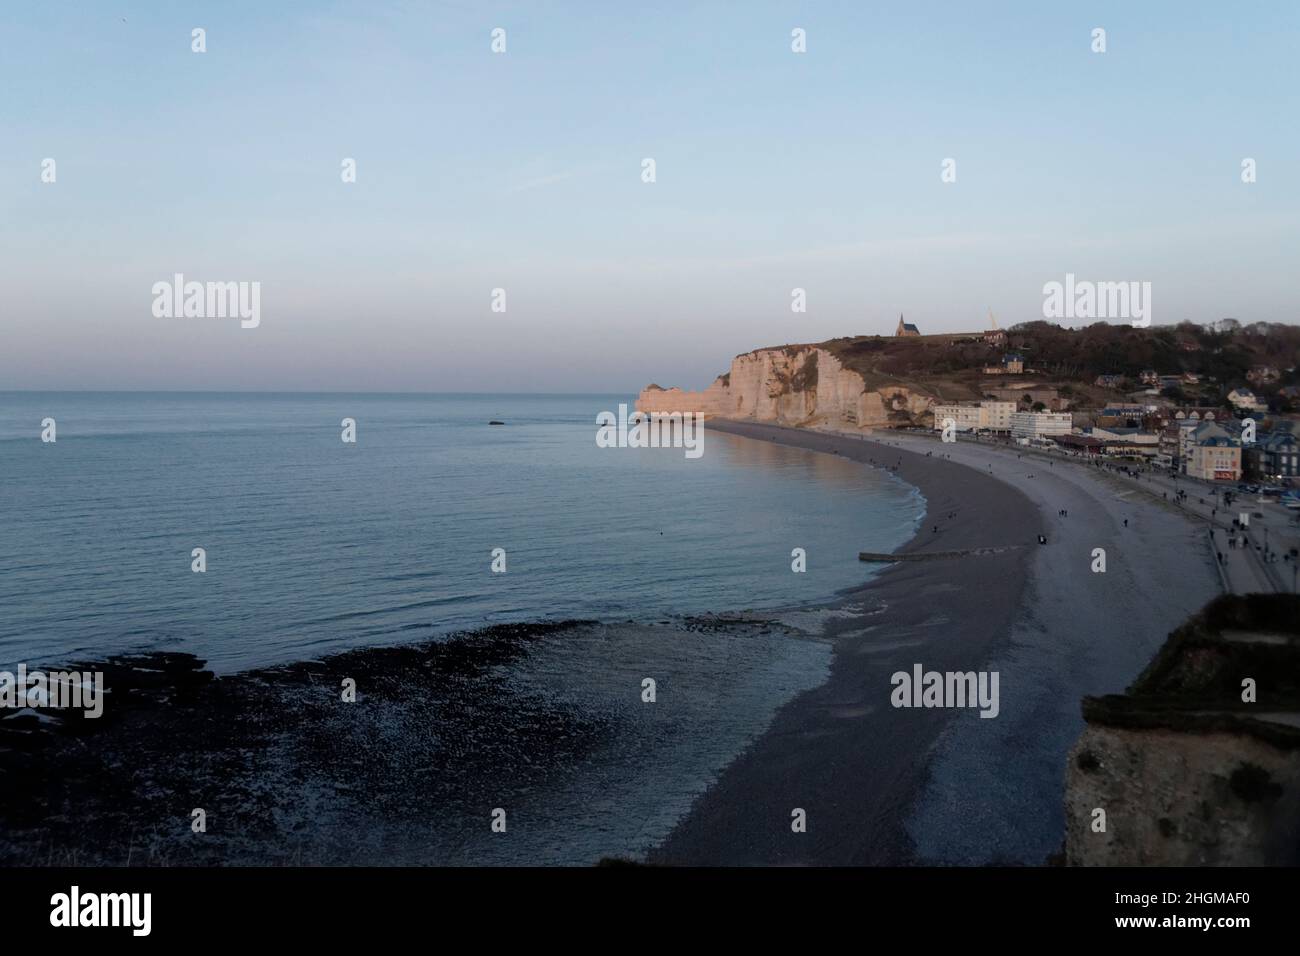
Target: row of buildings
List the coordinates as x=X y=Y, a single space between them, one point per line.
x=1150 y=378
x=1243 y=399
x=1199 y=442
x=1224 y=451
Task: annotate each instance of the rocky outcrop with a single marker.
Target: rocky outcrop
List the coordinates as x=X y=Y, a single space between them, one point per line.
x=803 y=385
x=1199 y=763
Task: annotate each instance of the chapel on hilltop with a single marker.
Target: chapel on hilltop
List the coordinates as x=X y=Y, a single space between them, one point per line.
x=905 y=328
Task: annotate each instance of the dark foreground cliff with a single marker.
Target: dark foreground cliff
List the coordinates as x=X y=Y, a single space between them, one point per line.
x=1199 y=763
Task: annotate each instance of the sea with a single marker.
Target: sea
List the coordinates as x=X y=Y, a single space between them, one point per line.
x=313 y=545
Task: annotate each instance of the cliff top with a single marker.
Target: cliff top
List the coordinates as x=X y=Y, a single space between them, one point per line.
x=951 y=366
x=1195 y=681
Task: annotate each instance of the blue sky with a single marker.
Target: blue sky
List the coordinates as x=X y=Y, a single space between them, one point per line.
x=475 y=171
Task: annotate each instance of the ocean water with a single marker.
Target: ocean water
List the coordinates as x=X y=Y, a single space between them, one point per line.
x=314 y=545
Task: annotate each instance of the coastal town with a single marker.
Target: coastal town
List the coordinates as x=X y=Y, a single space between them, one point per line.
x=1218 y=403
x=1187 y=422
x=1205 y=417
x=1227 y=451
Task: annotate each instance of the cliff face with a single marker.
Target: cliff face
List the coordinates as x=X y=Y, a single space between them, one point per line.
x=1198 y=764
x=796 y=385
x=1174 y=798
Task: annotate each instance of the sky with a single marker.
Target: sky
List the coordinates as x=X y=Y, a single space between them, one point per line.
x=523 y=171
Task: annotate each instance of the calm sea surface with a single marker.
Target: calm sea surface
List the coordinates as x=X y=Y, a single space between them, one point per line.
x=314 y=545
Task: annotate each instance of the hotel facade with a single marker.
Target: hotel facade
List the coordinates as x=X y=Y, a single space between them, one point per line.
x=1032 y=425
x=986 y=416
x=1212 y=454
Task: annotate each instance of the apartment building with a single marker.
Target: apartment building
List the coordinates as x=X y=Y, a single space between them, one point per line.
x=986 y=416
x=1212 y=454
x=1034 y=425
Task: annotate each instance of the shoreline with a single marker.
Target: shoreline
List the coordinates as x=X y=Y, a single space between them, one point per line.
x=886 y=786
x=880 y=786
x=839 y=751
x=543 y=719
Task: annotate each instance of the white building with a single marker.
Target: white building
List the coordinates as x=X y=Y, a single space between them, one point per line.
x=1186 y=430
x=990 y=416
x=1040 y=424
x=965 y=418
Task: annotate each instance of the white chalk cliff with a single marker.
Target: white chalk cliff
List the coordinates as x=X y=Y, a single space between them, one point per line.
x=803 y=385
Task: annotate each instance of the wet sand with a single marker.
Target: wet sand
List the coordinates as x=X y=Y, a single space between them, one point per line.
x=889 y=786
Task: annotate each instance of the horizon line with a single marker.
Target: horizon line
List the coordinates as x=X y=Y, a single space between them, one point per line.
x=263 y=391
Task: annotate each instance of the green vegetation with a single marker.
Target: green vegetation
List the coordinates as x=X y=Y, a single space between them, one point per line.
x=951 y=367
x=1194 y=683
x=806 y=378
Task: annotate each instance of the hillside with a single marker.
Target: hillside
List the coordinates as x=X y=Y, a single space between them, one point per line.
x=1080 y=355
x=870 y=380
